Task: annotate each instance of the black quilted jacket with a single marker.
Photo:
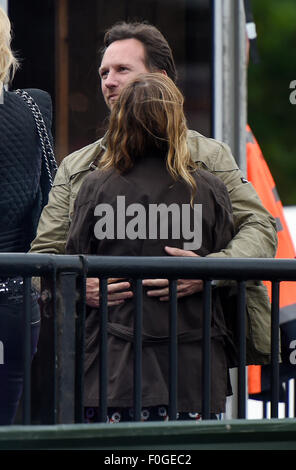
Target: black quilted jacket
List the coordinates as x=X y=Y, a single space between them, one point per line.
x=21 y=200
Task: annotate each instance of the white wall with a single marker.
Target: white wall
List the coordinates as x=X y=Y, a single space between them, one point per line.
x=290 y=215
x=3 y=4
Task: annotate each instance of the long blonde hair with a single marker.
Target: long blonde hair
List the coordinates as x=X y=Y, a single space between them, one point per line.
x=148 y=114
x=8 y=63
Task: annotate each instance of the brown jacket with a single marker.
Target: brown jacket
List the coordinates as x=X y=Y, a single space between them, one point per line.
x=148 y=184
x=255 y=228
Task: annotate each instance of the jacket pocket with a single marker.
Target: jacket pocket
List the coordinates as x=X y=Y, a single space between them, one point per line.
x=259 y=317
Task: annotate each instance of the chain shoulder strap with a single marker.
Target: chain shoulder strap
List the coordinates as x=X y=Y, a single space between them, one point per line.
x=47 y=151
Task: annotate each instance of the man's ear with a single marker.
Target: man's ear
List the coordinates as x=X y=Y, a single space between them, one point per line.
x=159 y=71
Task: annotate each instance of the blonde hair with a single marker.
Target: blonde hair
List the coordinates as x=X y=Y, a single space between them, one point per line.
x=8 y=63
x=149 y=114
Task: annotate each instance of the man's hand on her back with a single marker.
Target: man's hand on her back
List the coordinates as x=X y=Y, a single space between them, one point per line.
x=117 y=292
x=184 y=287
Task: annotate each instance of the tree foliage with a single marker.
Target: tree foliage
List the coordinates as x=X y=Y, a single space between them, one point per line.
x=270 y=113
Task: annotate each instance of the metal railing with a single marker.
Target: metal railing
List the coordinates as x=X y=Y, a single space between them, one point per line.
x=67 y=276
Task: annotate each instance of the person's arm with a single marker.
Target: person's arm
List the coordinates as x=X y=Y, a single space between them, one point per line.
x=255 y=228
x=118 y=292
x=54 y=221
x=52 y=234
x=81 y=239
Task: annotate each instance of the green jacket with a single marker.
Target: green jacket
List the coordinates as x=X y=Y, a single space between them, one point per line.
x=256 y=235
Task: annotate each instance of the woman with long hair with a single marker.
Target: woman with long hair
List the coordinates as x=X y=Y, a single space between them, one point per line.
x=148 y=194
x=24 y=189
x=8 y=63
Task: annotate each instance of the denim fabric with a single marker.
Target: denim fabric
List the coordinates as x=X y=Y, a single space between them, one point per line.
x=11 y=353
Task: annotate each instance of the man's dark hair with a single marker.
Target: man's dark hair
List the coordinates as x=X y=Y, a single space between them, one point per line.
x=157 y=50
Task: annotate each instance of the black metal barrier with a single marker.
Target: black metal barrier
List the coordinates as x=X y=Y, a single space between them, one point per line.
x=68 y=276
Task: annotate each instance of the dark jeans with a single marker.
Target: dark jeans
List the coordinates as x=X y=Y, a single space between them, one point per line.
x=11 y=353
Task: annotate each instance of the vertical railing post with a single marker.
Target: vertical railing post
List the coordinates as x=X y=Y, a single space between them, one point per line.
x=80 y=347
x=173 y=351
x=27 y=303
x=66 y=348
x=230 y=77
x=44 y=386
x=275 y=348
x=206 y=350
x=103 y=351
x=241 y=309
x=54 y=365
x=294 y=404
x=138 y=350
x=287 y=398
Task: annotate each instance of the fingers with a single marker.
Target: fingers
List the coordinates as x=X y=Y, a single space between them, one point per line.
x=184 y=287
x=118 y=292
x=111 y=280
x=92 y=283
x=189 y=287
x=178 y=251
x=155 y=282
x=118 y=286
x=92 y=291
x=160 y=287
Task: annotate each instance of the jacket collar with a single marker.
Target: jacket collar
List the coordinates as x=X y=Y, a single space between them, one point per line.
x=103 y=147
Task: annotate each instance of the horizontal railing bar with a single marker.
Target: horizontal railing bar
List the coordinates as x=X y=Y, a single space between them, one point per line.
x=137 y=268
x=228 y=268
x=37 y=264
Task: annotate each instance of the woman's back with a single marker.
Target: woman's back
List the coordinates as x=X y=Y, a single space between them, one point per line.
x=24 y=190
x=142 y=211
x=20 y=160
x=147 y=165
x=113 y=217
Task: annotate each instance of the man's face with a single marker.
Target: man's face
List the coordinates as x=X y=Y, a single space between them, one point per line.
x=122 y=61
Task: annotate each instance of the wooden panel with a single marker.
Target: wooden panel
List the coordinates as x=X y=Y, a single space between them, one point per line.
x=62 y=80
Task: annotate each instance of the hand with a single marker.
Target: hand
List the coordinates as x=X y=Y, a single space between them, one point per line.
x=117 y=292
x=184 y=286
